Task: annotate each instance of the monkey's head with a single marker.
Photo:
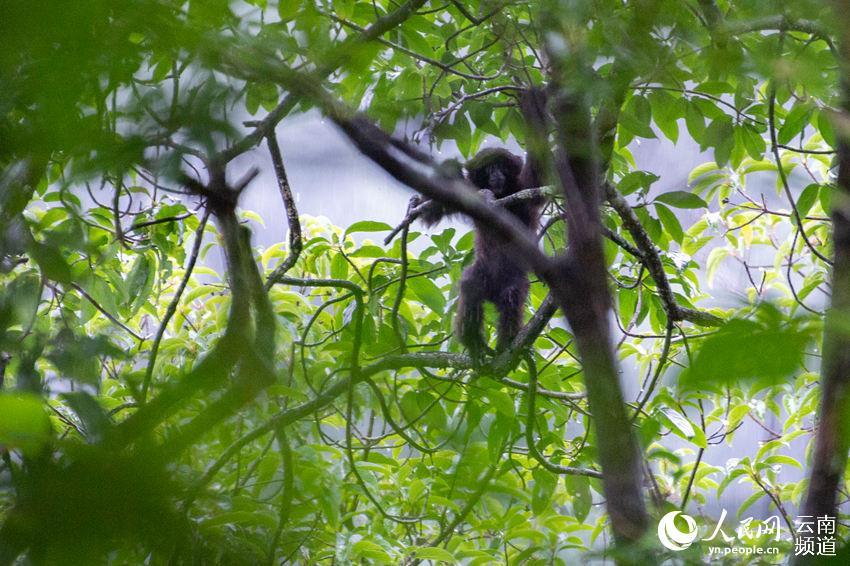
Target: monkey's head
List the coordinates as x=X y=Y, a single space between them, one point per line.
x=452 y=168
x=496 y=169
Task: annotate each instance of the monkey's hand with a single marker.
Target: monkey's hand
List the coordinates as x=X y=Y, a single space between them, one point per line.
x=427 y=210
x=488 y=196
x=414 y=203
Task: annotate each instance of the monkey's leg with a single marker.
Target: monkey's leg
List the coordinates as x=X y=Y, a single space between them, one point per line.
x=470 y=313
x=510 y=304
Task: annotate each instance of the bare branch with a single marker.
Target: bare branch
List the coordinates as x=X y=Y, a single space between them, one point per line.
x=652 y=260
x=295 y=243
x=172 y=306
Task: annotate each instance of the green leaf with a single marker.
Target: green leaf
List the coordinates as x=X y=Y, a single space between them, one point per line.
x=243 y=518
x=428 y=293
x=23 y=422
x=794 y=123
x=627 y=299
x=367 y=549
x=636 y=117
x=739 y=150
x=721 y=136
x=677 y=422
x=810 y=282
x=807 y=199
x=344 y=8
x=650 y=223
x=744 y=349
x=825 y=197
x=251 y=215
x=748 y=502
x=666 y=111
x=503 y=402
x=462 y=133
x=635 y=180
x=579 y=487
x=138 y=278
x=25 y=295
x=670 y=222
x=498 y=433
x=781 y=459
x=368 y=226
x=416 y=41
x=695 y=122
x=542 y=490
x=288 y=9
x=753 y=142
x=339 y=266
x=692 y=245
x=736 y=415
x=681 y=199
x=430 y=553
x=51 y=262
x=715 y=256
x=709 y=167
x=730 y=477
x=825 y=127
x=715 y=87
x=95 y=420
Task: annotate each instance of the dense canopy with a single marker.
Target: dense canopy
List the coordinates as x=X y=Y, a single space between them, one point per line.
x=173 y=392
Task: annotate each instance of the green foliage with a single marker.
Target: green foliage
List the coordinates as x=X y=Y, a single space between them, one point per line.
x=768 y=349
x=375 y=442
x=23 y=423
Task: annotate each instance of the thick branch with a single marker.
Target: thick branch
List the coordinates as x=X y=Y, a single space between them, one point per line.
x=432 y=183
x=241 y=337
x=579 y=283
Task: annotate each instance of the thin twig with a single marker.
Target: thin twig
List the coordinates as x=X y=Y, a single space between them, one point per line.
x=175 y=301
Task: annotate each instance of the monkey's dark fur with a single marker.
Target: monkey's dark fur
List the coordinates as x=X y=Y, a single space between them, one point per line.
x=496 y=275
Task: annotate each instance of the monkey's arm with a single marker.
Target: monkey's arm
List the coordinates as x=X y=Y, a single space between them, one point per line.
x=429 y=211
x=433 y=212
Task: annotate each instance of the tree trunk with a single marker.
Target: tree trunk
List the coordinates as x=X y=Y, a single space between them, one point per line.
x=580 y=284
x=832 y=439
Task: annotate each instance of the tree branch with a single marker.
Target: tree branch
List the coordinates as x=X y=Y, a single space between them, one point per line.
x=338 y=57
x=295 y=243
x=832 y=439
x=430 y=205
x=652 y=260
x=172 y=306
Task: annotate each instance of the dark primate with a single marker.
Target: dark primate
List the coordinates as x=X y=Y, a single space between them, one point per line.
x=495 y=275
